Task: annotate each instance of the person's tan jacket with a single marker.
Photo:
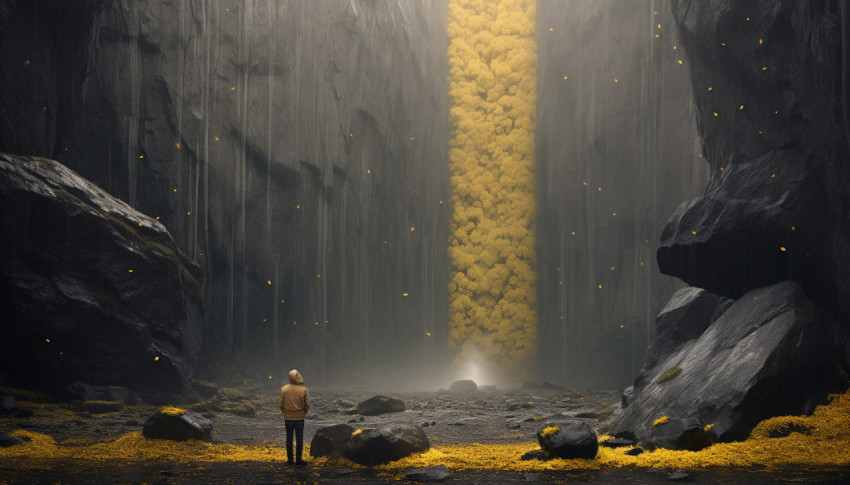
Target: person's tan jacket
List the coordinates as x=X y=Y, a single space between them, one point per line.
x=294 y=397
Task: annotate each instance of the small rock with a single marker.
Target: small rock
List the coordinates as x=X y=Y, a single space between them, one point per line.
x=344 y=471
x=617 y=443
x=535 y=455
x=426 y=424
x=634 y=451
x=177 y=425
x=513 y=425
x=205 y=389
x=330 y=439
x=352 y=420
x=6 y=441
x=530 y=477
x=373 y=446
x=102 y=407
x=680 y=476
x=569 y=439
x=380 y=405
x=436 y=473
x=463 y=385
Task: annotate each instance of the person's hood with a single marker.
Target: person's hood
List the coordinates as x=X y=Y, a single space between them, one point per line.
x=295 y=377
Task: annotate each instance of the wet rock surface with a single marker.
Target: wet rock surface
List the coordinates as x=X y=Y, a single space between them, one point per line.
x=373 y=446
x=771 y=102
x=92 y=290
x=771 y=353
x=437 y=473
x=330 y=439
x=178 y=426
x=568 y=439
x=380 y=404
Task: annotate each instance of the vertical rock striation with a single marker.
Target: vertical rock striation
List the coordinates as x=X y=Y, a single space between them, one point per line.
x=617 y=151
x=296 y=150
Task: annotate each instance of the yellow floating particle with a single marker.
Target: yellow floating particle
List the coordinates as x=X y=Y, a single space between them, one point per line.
x=710 y=88
x=427 y=334
x=551 y=29
x=316 y=323
x=27 y=62
x=441 y=201
x=294 y=323
x=793 y=228
x=600 y=286
x=157 y=217
x=216 y=138
x=773 y=175
x=351 y=134
x=47 y=340
x=560 y=282
x=265 y=320
x=721 y=169
x=659 y=26
x=641 y=263
x=764 y=68
x=573 y=233
x=782 y=248
x=318 y=276
x=227 y=10
x=557 y=269
x=613 y=213
x=616 y=80
x=411 y=228
x=680 y=61
x=748 y=19
x=776 y=112
x=270 y=377
x=404 y=294
x=140 y=156
x=565 y=77
x=129 y=270
x=761 y=41
x=715 y=113
x=177 y=145
x=657 y=36
x=599 y=189
x=612 y=268
x=298 y=206
x=269 y=282
x=761 y=132
x=741 y=107
x=694 y=233
x=282 y=301
x=141 y=224
x=723 y=44
x=233 y=88
x=385 y=242
x=674 y=47
x=660 y=421
x=621 y=326
x=584 y=183
x=411 y=138
x=368 y=171
x=156 y=359
x=699 y=156
x=44 y=108
x=188 y=213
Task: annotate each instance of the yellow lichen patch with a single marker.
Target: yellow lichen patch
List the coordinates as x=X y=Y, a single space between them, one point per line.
x=549 y=431
x=356 y=432
x=708 y=427
x=493 y=90
x=669 y=374
x=172 y=411
x=661 y=421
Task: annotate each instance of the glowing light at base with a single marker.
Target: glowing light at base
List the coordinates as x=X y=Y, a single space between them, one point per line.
x=493 y=89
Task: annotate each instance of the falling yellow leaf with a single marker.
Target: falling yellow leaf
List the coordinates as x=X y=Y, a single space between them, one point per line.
x=659 y=26
x=599 y=189
x=550 y=30
x=140 y=224
x=411 y=228
x=613 y=213
x=140 y=156
x=782 y=248
x=565 y=77
x=761 y=41
x=368 y=171
x=129 y=270
x=404 y=294
x=723 y=44
x=157 y=217
x=793 y=228
x=270 y=377
x=616 y=80
x=318 y=276
x=47 y=340
x=741 y=107
x=156 y=359
x=233 y=88
x=27 y=62
x=600 y=287
x=710 y=88
x=411 y=138
x=177 y=145
x=573 y=233
x=773 y=175
x=269 y=282
x=764 y=68
x=427 y=334
x=175 y=190
x=679 y=61
x=216 y=138
x=694 y=233
x=612 y=268
x=715 y=113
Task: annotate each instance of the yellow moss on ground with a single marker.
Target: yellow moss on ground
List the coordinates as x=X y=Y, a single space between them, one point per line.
x=172 y=411
x=549 y=431
x=826 y=446
x=661 y=421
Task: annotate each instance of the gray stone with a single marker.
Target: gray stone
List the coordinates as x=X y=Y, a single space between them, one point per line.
x=773 y=352
x=464 y=385
x=330 y=439
x=178 y=427
x=373 y=446
x=7 y=441
x=437 y=473
x=573 y=439
x=380 y=404
x=98 y=290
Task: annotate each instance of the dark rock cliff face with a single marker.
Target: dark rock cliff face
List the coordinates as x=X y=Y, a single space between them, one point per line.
x=296 y=150
x=770 y=87
x=92 y=291
x=617 y=151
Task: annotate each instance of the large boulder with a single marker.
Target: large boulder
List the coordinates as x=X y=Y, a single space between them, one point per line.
x=178 y=425
x=773 y=352
x=380 y=404
x=373 y=446
x=90 y=289
x=568 y=439
x=463 y=385
x=772 y=109
x=330 y=439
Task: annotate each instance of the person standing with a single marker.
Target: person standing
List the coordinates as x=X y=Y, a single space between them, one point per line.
x=294 y=404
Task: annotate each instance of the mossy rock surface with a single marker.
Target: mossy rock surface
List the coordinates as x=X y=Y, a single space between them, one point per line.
x=231 y=394
x=246 y=410
x=101 y=407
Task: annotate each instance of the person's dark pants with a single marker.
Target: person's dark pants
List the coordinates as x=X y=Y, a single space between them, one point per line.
x=296 y=425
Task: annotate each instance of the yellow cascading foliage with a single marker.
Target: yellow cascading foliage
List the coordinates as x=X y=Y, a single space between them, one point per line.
x=493 y=89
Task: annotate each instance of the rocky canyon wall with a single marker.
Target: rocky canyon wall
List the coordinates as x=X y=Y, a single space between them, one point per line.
x=296 y=150
x=617 y=152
